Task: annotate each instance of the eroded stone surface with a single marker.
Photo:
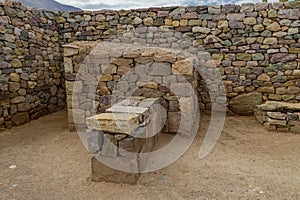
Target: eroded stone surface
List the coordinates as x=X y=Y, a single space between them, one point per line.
x=114 y=123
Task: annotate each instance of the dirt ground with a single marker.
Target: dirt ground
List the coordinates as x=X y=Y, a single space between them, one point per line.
x=247 y=163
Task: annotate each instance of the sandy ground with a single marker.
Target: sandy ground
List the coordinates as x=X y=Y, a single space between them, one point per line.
x=247 y=163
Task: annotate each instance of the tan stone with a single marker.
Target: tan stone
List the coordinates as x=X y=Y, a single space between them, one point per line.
x=148 y=21
x=70 y=50
x=270 y=41
x=122 y=61
x=14 y=77
x=274 y=27
x=223 y=24
x=276 y=122
x=68 y=64
x=114 y=122
x=168 y=22
x=16 y=63
x=194 y=22
x=106 y=77
x=184 y=67
x=258 y=27
x=264 y=77
x=161 y=57
x=19 y=99
x=266 y=90
x=175 y=23
x=250 y=21
x=151 y=85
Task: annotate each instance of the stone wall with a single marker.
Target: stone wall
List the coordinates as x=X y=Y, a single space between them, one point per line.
x=100 y=74
x=279 y=116
x=31 y=71
x=255 y=48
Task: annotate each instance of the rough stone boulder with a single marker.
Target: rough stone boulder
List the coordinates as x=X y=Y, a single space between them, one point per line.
x=245 y=104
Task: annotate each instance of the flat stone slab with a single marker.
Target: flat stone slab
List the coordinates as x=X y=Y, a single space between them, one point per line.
x=114 y=122
x=274 y=105
x=127 y=109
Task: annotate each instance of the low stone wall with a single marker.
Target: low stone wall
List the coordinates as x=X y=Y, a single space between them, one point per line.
x=31 y=71
x=279 y=116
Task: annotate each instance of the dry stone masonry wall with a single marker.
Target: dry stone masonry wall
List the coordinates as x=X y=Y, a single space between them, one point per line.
x=255 y=47
x=31 y=78
x=99 y=75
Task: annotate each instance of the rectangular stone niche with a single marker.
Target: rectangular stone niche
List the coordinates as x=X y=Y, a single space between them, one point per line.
x=279 y=116
x=125 y=128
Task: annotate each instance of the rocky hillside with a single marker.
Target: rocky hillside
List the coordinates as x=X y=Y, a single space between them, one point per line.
x=48 y=5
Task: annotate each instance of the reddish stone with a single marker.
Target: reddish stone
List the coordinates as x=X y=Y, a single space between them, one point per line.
x=162 y=13
x=192 y=15
x=282 y=57
x=154 y=9
x=184 y=29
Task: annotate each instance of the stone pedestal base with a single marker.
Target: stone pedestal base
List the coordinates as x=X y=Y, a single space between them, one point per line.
x=102 y=173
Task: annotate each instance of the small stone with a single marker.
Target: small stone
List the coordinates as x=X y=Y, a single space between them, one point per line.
x=258 y=56
x=247 y=8
x=236 y=24
x=183 y=67
x=270 y=41
x=264 y=77
x=16 y=63
x=276 y=122
x=20 y=119
x=18 y=99
x=282 y=57
x=274 y=27
x=162 y=69
x=198 y=29
x=70 y=50
x=14 y=77
x=243 y=56
x=258 y=28
x=289 y=13
x=250 y=21
x=148 y=21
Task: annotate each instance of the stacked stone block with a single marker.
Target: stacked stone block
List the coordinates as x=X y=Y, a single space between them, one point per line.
x=279 y=116
x=123 y=133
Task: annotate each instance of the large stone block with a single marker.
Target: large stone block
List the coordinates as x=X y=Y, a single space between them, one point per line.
x=183 y=67
x=101 y=172
x=20 y=118
x=245 y=104
x=160 y=69
x=114 y=123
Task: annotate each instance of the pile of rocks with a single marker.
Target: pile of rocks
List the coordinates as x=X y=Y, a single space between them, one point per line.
x=123 y=133
x=279 y=116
